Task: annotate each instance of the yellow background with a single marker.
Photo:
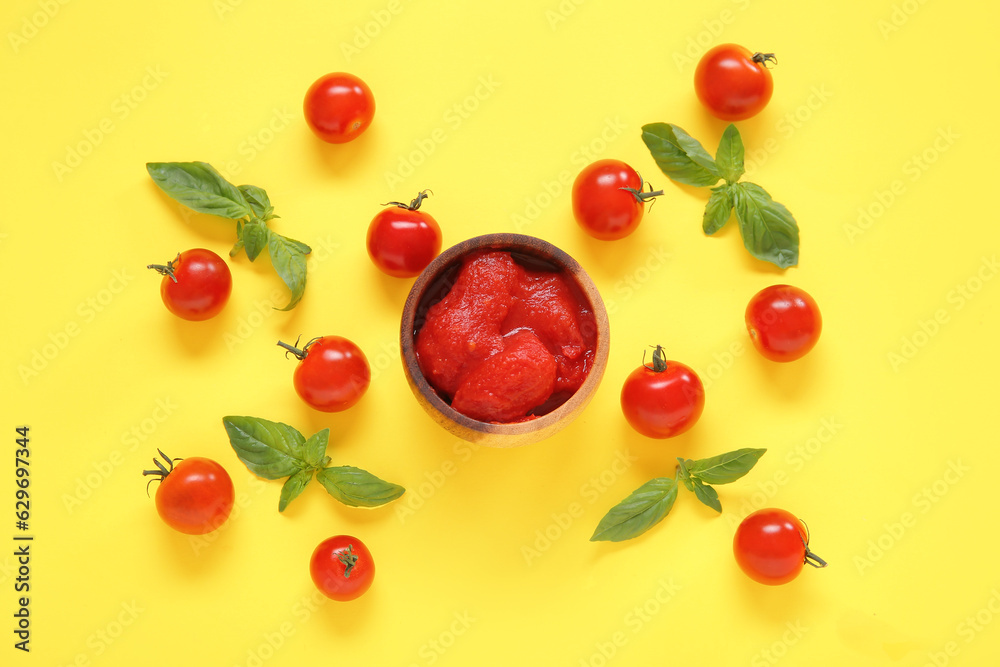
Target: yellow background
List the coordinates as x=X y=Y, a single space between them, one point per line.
x=885 y=108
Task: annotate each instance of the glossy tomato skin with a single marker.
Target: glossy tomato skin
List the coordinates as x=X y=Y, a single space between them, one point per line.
x=663 y=404
x=731 y=84
x=333 y=375
x=784 y=322
x=402 y=242
x=342 y=568
x=338 y=107
x=200 y=287
x=196 y=496
x=770 y=546
x=600 y=205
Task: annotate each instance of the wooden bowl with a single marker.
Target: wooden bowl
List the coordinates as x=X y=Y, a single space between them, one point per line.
x=430 y=286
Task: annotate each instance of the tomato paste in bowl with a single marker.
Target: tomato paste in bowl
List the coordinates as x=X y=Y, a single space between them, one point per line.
x=504 y=339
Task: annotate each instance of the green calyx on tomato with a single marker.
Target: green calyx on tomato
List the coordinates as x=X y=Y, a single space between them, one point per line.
x=349 y=559
x=160 y=473
x=763 y=59
x=641 y=194
x=414 y=203
x=769 y=230
x=201 y=188
x=166 y=270
x=650 y=503
x=274 y=450
x=659 y=360
x=296 y=351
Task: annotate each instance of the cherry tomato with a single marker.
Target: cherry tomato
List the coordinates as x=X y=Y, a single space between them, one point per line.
x=771 y=546
x=196 y=284
x=608 y=199
x=784 y=322
x=733 y=83
x=342 y=568
x=663 y=399
x=195 y=496
x=332 y=374
x=403 y=240
x=338 y=107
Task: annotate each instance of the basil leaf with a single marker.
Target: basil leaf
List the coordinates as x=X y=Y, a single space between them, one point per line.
x=200 y=187
x=718 y=209
x=254 y=237
x=358 y=488
x=769 y=231
x=729 y=157
x=259 y=202
x=289 y=261
x=314 y=451
x=271 y=450
x=302 y=247
x=684 y=475
x=680 y=156
x=293 y=486
x=707 y=495
x=725 y=468
x=641 y=510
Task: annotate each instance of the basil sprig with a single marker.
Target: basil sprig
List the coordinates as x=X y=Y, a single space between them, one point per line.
x=769 y=231
x=201 y=188
x=273 y=450
x=646 y=506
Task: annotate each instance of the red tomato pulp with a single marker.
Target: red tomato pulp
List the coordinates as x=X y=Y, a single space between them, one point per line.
x=509 y=341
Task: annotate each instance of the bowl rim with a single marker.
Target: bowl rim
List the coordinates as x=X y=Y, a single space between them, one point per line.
x=530 y=245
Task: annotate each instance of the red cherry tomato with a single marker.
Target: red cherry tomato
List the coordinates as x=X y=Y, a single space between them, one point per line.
x=196 y=284
x=338 y=107
x=733 y=83
x=771 y=546
x=608 y=199
x=332 y=374
x=342 y=568
x=663 y=399
x=784 y=322
x=195 y=496
x=403 y=240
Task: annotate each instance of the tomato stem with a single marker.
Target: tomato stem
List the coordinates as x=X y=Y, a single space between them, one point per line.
x=810 y=557
x=161 y=471
x=414 y=203
x=814 y=560
x=640 y=194
x=659 y=359
x=166 y=269
x=763 y=59
x=349 y=559
x=299 y=353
